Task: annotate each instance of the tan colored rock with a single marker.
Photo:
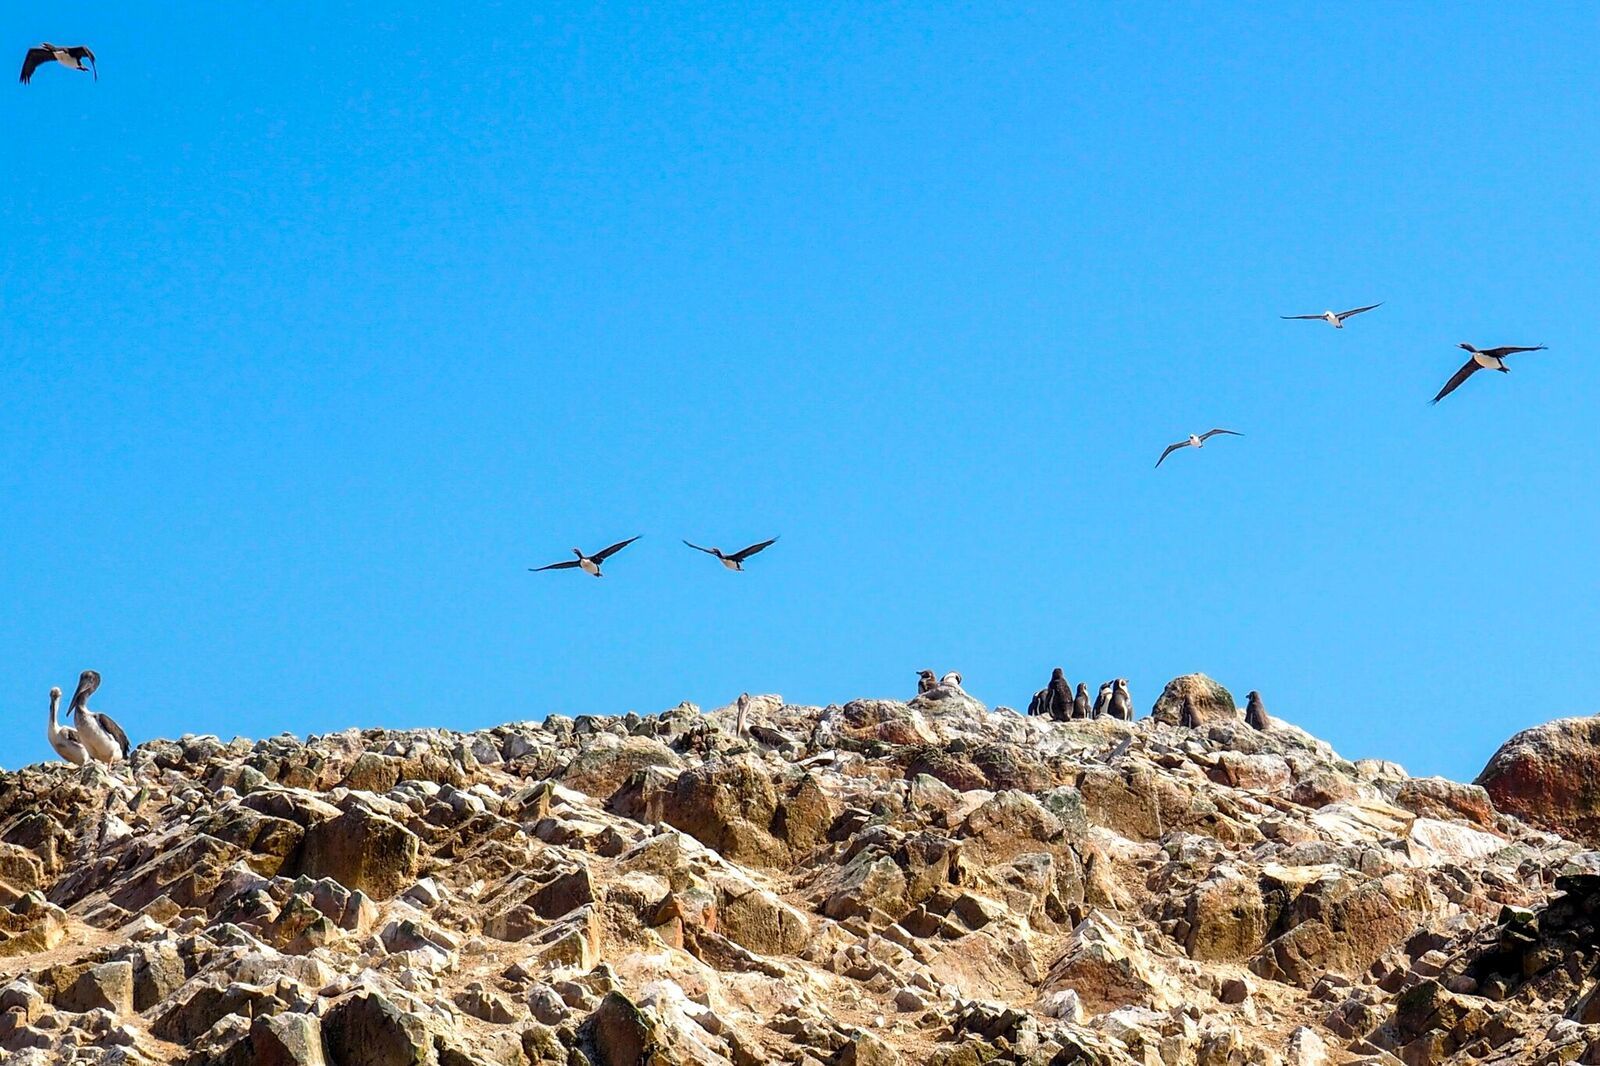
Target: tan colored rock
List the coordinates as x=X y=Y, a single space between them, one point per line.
x=1549 y=776
x=1210 y=701
x=363 y=851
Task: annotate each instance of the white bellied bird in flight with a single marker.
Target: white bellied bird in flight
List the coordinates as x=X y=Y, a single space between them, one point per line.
x=1335 y=318
x=736 y=560
x=72 y=58
x=590 y=564
x=1194 y=442
x=1482 y=359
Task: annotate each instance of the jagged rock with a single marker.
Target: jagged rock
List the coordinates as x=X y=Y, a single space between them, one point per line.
x=1547 y=776
x=618 y=1034
x=1435 y=797
x=363 y=851
x=367 y=1029
x=1208 y=702
x=108 y=986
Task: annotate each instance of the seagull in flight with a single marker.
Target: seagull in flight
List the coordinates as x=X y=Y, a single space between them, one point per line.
x=1194 y=442
x=590 y=564
x=736 y=560
x=1485 y=359
x=54 y=53
x=1335 y=318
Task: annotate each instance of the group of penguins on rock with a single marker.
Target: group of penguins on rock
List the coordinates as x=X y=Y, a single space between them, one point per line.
x=1057 y=701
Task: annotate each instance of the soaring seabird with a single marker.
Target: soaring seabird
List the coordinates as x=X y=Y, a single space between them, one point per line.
x=589 y=563
x=1121 y=702
x=1080 y=702
x=1194 y=442
x=1102 y=702
x=1335 y=318
x=1486 y=359
x=1060 y=695
x=54 y=53
x=103 y=737
x=736 y=560
x=926 y=682
x=1255 y=712
x=64 y=738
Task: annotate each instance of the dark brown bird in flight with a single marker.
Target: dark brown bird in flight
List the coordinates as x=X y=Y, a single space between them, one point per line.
x=590 y=564
x=72 y=58
x=1485 y=359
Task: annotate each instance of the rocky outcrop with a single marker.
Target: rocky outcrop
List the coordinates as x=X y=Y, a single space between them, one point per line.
x=1549 y=776
x=873 y=883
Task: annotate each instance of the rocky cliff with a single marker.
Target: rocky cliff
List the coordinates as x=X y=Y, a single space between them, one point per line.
x=932 y=883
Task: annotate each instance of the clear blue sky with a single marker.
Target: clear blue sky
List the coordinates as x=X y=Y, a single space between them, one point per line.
x=323 y=322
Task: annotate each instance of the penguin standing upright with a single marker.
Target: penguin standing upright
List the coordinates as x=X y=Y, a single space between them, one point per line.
x=1060 y=695
x=1255 y=712
x=1080 y=702
x=1102 y=702
x=926 y=682
x=1186 y=717
x=1039 y=706
x=1121 y=701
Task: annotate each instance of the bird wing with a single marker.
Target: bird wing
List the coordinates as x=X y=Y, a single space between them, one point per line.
x=1510 y=349
x=569 y=564
x=696 y=547
x=1290 y=317
x=1208 y=434
x=1342 y=315
x=1461 y=375
x=80 y=53
x=1170 y=449
x=31 y=62
x=741 y=556
x=602 y=556
x=115 y=730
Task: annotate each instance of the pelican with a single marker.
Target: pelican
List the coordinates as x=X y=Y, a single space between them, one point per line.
x=1334 y=318
x=1194 y=442
x=589 y=563
x=744 y=712
x=103 y=737
x=64 y=738
x=736 y=560
x=71 y=58
x=1486 y=359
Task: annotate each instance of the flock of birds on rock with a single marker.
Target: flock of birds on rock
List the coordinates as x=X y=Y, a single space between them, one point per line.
x=95 y=738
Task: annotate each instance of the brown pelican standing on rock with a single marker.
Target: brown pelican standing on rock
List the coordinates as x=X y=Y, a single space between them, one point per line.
x=1194 y=442
x=103 y=737
x=1121 y=702
x=1487 y=359
x=1080 y=702
x=1334 y=318
x=589 y=563
x=736 y=560
x=1255 y=712
x=72 y=58
x=64 y=738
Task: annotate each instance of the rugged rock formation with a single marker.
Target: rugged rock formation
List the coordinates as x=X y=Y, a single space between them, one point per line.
x=1209 y=701
x=868 y=884
x=1549 y=776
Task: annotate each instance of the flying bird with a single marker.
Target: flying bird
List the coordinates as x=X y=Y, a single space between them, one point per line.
x=590 y=564
x=103 y=737
x=1194 y=442
x=1335 y=318
x=54 y=53
x=736 y=560
x=1485 y=359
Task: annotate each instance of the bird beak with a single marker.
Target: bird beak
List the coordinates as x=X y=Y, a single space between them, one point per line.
x=87 y=683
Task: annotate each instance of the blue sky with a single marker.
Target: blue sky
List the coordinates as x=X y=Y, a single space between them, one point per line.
x=322 y=323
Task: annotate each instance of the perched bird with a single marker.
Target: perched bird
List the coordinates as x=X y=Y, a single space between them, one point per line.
x=1255 y=712
x=951 y=680
x=54 y=53
x=103 y=737
x=1060 y=695
x=736 y=560
x=1334 y=318
x=744 y=711
x=926 y=682
x=1194 y=442
x=1039 y=706
x=1121 y=702
x=1186 y=716
x=589 y=563
x=1102 y=702
x=1486 y=359
x=64 y=738
x=1080 y=702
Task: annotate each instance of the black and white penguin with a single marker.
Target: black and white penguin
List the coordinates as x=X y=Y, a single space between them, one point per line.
x=1060 y=695
x=1102 y=702
x=1121 y=702
x=1039 y=706
x=1186 y=716
x=72 y=58
x=736 y=560
x=926 y=682
x=589 y=564
x=1255 y=712
x=1080 y=702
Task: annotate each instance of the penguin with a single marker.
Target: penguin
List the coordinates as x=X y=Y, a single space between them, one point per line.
x=1080 y=702
x=1102 y=702
x=1037 y=707
x=926 y=682
x=1255 y=712
x=1060 y=695
x=1121 y=701
x=1186 y=716
x=951 y=680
